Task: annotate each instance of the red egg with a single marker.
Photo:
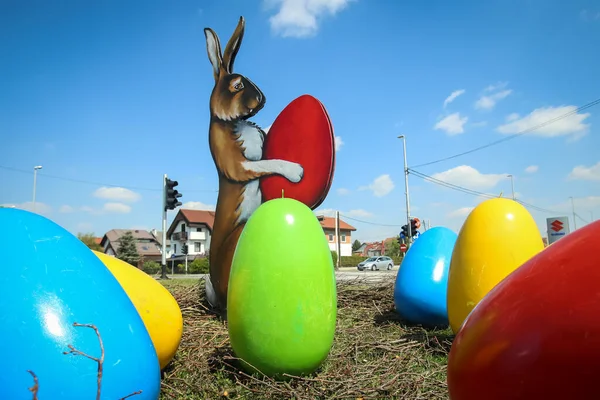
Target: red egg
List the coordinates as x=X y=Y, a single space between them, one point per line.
x=302 y=133
x=535 y=335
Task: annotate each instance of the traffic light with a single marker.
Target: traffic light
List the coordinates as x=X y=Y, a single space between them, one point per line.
x=404 y=230
x=171 y=195
x=185 y=249
x=415 y=224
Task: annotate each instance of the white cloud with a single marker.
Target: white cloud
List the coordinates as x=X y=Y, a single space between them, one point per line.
x=453 y=124
x=568 y=125
x=532 y=169
x=343 y=191
x=453 y=96
x=462 y=212
x=65 y=209
x=117 y=194
x=381 y=186
x=497 y=86
x=40 y=208
x=487 y=102
x=117 y=208
x=300 y=18
x=469 y=177
x=197 y=205
x=512 y=117
x=478 y=124
x=584 y=173
x=338 y=143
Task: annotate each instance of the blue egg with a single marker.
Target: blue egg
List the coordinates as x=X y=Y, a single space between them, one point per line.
x=422 y=280
x=51 y=282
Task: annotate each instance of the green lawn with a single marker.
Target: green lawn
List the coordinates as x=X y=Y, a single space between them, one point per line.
x=374 y=354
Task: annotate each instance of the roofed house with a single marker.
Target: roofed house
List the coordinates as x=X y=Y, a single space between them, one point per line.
x=373 y=249
x=191 y=227
x=158 y=236
x=147 y=245
x=328 y=225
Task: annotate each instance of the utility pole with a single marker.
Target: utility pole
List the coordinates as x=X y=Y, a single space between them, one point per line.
x=409 y=238
x=574 y=215
x=338 y=246
x=35 y=170
x=163 y=264
x=512 y=185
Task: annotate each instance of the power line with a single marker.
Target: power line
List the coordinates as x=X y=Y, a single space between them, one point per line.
x=541 y=125
x=370 y=223
x=62 y=178
x=474 y=192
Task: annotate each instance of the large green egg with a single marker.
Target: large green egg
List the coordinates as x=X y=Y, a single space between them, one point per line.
x=282 y=301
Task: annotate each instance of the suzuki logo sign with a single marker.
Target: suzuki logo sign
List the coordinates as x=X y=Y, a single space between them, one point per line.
x=557 y=228
x=556 y=225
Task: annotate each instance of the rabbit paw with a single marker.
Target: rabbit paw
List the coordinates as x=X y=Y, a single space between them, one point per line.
x=294 y=172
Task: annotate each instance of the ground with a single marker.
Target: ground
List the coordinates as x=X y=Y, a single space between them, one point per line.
x=374 y=355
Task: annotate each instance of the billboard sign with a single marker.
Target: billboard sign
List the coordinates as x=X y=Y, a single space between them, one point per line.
x=557 y=227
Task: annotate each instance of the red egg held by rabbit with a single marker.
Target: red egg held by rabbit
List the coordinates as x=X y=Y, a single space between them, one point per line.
x=302 y=133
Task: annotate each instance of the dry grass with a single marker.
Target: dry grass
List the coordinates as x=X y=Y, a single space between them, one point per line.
x=374 y=354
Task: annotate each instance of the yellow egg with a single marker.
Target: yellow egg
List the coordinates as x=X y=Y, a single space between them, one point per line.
x=154 y=303
x=498 y=236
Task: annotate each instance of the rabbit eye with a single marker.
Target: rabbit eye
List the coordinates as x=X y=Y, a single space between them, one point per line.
x=238 y=86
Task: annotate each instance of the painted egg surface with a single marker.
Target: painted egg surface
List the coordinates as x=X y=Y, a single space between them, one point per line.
x=302 y=133
x=60 y=306
x=282 y=301
x=498 y=236
x=536 y=335
x=154 y=303
x=421 y=285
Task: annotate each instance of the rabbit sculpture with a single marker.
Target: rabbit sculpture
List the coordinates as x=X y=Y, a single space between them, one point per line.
x=236 y=146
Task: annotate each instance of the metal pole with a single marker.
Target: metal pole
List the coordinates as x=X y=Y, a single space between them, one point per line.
x=163 y=269
x=406 y=190
x=338 y=246
x=512 y=186
x=574 y=215
x=35 y=170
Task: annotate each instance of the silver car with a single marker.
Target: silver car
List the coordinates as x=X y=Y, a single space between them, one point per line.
x=376 y=263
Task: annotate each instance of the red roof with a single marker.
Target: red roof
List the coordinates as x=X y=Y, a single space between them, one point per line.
x=97 y=240
x=193 y=217
x=329 y=223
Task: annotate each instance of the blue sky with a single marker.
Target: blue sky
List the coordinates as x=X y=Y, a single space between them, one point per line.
x=116 y=93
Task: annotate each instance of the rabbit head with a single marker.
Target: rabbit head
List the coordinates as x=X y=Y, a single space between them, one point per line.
x=234 y=96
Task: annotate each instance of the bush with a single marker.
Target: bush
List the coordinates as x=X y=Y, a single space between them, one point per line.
x=334 y=257
x=151 y=267
x=198 y=266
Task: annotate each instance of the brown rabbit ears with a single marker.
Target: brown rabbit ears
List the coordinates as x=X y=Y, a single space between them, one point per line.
x=213 y=46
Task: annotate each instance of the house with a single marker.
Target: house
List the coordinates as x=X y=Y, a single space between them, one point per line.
x=328 y=225
x=158 y=236
x=147 y=246
x=191 y=227
x=373 y=249
x=370 y=249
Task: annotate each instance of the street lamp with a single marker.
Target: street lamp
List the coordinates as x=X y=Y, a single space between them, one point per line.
x=512 y=185
x=35 y=170
x=406 y=190
x=574 y=215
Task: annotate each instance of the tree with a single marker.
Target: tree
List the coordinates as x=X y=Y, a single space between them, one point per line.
x=356 y=245
x=392 y=248
x=127 y=250
x=90 y=241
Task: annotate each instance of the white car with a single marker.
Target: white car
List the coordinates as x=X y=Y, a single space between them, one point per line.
x=376 y=263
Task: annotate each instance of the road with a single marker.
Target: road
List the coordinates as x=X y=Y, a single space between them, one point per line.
x=345 y=274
